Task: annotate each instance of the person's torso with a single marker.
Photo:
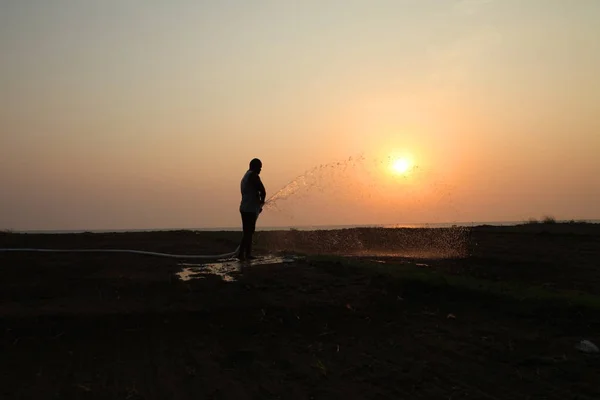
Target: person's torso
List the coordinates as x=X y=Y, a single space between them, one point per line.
x=250 y=196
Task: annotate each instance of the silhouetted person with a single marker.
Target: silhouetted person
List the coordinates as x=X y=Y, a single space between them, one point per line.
x=253 y=199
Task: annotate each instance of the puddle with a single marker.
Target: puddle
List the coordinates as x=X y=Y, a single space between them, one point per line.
x=229 y=268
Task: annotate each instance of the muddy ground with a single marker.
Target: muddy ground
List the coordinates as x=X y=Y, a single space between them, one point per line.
x=125 y=326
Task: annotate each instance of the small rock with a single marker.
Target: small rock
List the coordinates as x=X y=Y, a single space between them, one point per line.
x=587 y=347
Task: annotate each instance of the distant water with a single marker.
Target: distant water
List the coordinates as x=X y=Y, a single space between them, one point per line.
x=306 y=228
x=390 y=226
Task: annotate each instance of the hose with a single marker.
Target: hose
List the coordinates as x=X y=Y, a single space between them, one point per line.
x=148 y=253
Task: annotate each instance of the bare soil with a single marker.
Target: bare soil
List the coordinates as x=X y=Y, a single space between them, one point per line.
x=124 y=326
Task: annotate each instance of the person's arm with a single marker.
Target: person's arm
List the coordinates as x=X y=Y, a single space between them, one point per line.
x=260 y=188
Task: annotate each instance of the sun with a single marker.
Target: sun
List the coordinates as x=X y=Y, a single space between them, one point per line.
x=401 y=166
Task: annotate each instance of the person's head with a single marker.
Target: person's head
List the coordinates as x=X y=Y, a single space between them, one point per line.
x=256 y=165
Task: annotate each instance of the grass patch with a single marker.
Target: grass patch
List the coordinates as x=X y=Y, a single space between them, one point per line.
x=406 y=273
x=548 y=219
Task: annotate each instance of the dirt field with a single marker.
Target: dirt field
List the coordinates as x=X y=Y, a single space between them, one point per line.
x=486 y=313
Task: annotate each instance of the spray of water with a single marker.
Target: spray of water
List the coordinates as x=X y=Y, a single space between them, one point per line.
x=314 y=178
x=355 y=186
x=366 y=188
x=419 y=243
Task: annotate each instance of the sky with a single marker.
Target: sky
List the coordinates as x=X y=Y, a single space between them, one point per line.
x=144 y=114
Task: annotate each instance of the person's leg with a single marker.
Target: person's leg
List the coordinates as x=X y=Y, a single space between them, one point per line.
x=245 y=236
x=248 y=228
x=251 y=229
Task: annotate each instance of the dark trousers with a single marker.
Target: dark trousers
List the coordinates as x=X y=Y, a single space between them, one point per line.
x=248 y=227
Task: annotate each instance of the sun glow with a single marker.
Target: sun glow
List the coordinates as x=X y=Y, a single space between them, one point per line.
x=401 y=166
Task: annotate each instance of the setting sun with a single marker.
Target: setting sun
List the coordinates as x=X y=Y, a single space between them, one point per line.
x=401 y=165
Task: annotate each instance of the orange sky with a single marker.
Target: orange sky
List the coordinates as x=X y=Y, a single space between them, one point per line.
x=135 y=115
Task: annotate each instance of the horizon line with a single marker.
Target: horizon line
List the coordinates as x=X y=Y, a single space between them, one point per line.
x=300 y=227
